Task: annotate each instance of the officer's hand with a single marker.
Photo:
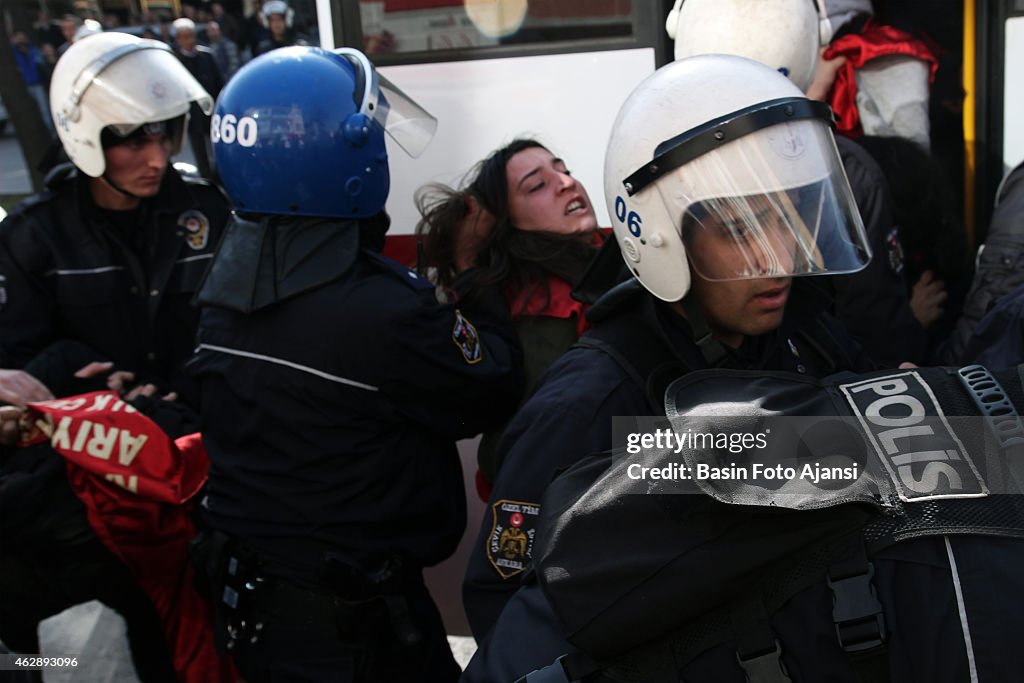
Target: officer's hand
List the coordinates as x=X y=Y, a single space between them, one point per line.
x=927 y=299
x=119 y=380
x=472 y=233
x=140 y=390
x=18 y=388
x=94 y=368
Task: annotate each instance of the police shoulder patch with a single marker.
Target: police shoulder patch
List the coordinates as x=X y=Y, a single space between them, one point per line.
x=510 y=543
x=466 y=338
x=196 y=229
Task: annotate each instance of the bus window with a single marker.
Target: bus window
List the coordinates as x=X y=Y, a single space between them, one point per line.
x=409 y=26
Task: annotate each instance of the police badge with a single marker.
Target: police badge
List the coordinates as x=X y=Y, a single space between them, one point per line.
x=197 y=229
x=510 y=543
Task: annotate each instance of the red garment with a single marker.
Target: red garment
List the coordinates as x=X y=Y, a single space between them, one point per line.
x=533 y=302
x=137 y=485
x=874 y=40
x=560 y=304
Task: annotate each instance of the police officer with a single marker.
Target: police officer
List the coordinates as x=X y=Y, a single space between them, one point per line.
x=112 y=252
x=201 y=63
x=659 y=588
x=333 y=384
x=100 y=267
x=278 y=18
x=737 y=304
x=874 y=303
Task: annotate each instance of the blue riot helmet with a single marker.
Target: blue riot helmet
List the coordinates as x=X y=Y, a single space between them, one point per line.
x=300 y=131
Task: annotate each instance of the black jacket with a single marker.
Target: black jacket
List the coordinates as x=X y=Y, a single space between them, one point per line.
x=570 y=417
x=68 y=273
x=874 y=303
x=331 y=414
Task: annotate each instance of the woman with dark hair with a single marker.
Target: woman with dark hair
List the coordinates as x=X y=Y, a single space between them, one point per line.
x=522 y=224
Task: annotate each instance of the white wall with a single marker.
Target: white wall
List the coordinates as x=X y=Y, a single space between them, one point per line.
x=568 y=102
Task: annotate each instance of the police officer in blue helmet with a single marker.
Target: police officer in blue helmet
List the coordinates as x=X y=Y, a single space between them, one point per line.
x=334 y=385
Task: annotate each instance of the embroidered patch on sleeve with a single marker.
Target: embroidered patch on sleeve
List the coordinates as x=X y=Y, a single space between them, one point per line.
x=510 y=543
x=466 y=338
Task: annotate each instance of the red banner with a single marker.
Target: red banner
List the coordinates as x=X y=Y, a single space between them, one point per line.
x=137 y=485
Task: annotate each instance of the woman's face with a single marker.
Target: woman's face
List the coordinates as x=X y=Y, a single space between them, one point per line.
x=544 y=197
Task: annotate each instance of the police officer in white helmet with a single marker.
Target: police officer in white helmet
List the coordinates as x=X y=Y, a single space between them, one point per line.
x=97 y=275
x=279 y=19
x=885 y=315
x=727 y=197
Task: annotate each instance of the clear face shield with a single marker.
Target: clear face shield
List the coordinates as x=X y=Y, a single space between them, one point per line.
x=808 y=230
x=761 y=201
x=135 y=84
x=405 y=122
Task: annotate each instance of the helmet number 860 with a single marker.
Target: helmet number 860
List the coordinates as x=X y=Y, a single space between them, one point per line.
x=228 y=129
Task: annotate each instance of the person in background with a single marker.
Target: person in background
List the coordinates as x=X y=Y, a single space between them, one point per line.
x=31 y=65
x=225 y=52
x=69 y=25
x=278 y=18
x=202 y=64
x=46 y=31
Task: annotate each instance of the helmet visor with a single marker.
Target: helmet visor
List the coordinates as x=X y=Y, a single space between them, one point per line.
x=772 y=216
x=408 y=124
x=143 y=86
x=405 y=122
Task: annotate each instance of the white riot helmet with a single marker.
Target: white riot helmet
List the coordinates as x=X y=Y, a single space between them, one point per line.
x=785 y=34
x=89 y=27
x=117 y=81
x=719 y=164
x=279 y=7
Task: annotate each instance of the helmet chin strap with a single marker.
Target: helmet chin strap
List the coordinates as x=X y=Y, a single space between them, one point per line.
x=105 y=178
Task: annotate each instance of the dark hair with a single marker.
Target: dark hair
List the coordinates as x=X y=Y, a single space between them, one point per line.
x=511 y=258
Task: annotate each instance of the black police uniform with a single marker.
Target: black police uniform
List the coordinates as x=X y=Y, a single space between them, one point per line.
x=570 y=416
x=888 y=576
x=79 y=284
x=330 y=412
x=119 y=282
x=874 y=304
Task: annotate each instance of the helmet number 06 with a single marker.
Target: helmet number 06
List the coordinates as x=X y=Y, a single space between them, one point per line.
x=632 y=221
x=228 y=130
